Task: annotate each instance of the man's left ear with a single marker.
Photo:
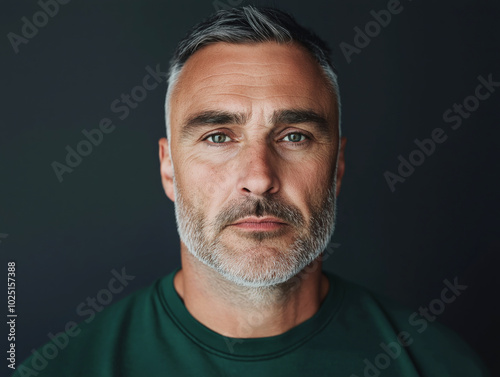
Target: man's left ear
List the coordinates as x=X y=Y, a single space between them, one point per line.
x=166 y=168
x=341 y=164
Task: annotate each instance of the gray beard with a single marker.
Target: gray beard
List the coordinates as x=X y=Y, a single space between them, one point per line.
x=265 y=275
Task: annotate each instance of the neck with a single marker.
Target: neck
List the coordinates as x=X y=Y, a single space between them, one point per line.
x=248 y=312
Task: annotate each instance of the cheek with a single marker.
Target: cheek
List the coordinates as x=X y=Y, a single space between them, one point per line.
x=216 y=179
x=323 y=170
x=205 y=184
x=308 y=183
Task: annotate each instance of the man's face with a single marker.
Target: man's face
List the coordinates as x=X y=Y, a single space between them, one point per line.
x=253 y=147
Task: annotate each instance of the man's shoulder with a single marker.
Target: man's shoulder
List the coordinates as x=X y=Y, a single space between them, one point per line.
x=128 y=310
x=95 y=337
x=431 y=345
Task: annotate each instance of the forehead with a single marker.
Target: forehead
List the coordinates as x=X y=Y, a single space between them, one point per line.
x=243 y=77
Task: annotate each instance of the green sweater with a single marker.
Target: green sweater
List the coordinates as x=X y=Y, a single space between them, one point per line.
x=354 y=333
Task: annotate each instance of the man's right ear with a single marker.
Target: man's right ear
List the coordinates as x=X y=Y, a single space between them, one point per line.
x=166 y=169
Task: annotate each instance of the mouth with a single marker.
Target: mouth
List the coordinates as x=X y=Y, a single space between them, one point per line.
x=259 y=224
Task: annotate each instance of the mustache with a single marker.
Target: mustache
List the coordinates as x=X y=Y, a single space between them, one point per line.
x=258 y=207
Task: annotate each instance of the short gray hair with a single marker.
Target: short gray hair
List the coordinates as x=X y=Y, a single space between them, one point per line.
x=250 y=24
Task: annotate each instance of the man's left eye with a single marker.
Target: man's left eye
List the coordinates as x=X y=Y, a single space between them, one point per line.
x=295 y=137
x=218 y=138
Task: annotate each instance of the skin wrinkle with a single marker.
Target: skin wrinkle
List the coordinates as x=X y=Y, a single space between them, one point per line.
x=255 y=73
x=235 y=73
x=244 y=86
x=262 y=98
x=253 y=64
x=247 y=86
x=215 y=185
x=290 y=83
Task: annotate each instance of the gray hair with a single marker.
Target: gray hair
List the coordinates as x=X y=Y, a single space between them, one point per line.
x=250 y=24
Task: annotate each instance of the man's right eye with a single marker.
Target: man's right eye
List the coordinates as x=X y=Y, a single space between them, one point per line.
x=218 y=138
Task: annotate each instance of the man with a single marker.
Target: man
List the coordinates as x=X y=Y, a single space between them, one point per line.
x=254 y=162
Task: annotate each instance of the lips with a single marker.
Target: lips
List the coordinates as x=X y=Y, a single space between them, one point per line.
x=259 y=220
x=259 y=223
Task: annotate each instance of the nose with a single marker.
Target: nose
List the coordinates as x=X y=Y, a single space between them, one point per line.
x=258 y=171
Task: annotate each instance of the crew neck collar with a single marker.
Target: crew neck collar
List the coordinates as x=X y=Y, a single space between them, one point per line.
x=248 y=348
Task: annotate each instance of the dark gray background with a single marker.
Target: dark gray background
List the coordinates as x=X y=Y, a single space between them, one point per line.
x=111 y=211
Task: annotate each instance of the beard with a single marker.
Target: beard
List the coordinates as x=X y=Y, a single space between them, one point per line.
x=257 y=259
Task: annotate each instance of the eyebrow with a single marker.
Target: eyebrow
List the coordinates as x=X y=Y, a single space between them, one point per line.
x=210 y=118
x=295 y=116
